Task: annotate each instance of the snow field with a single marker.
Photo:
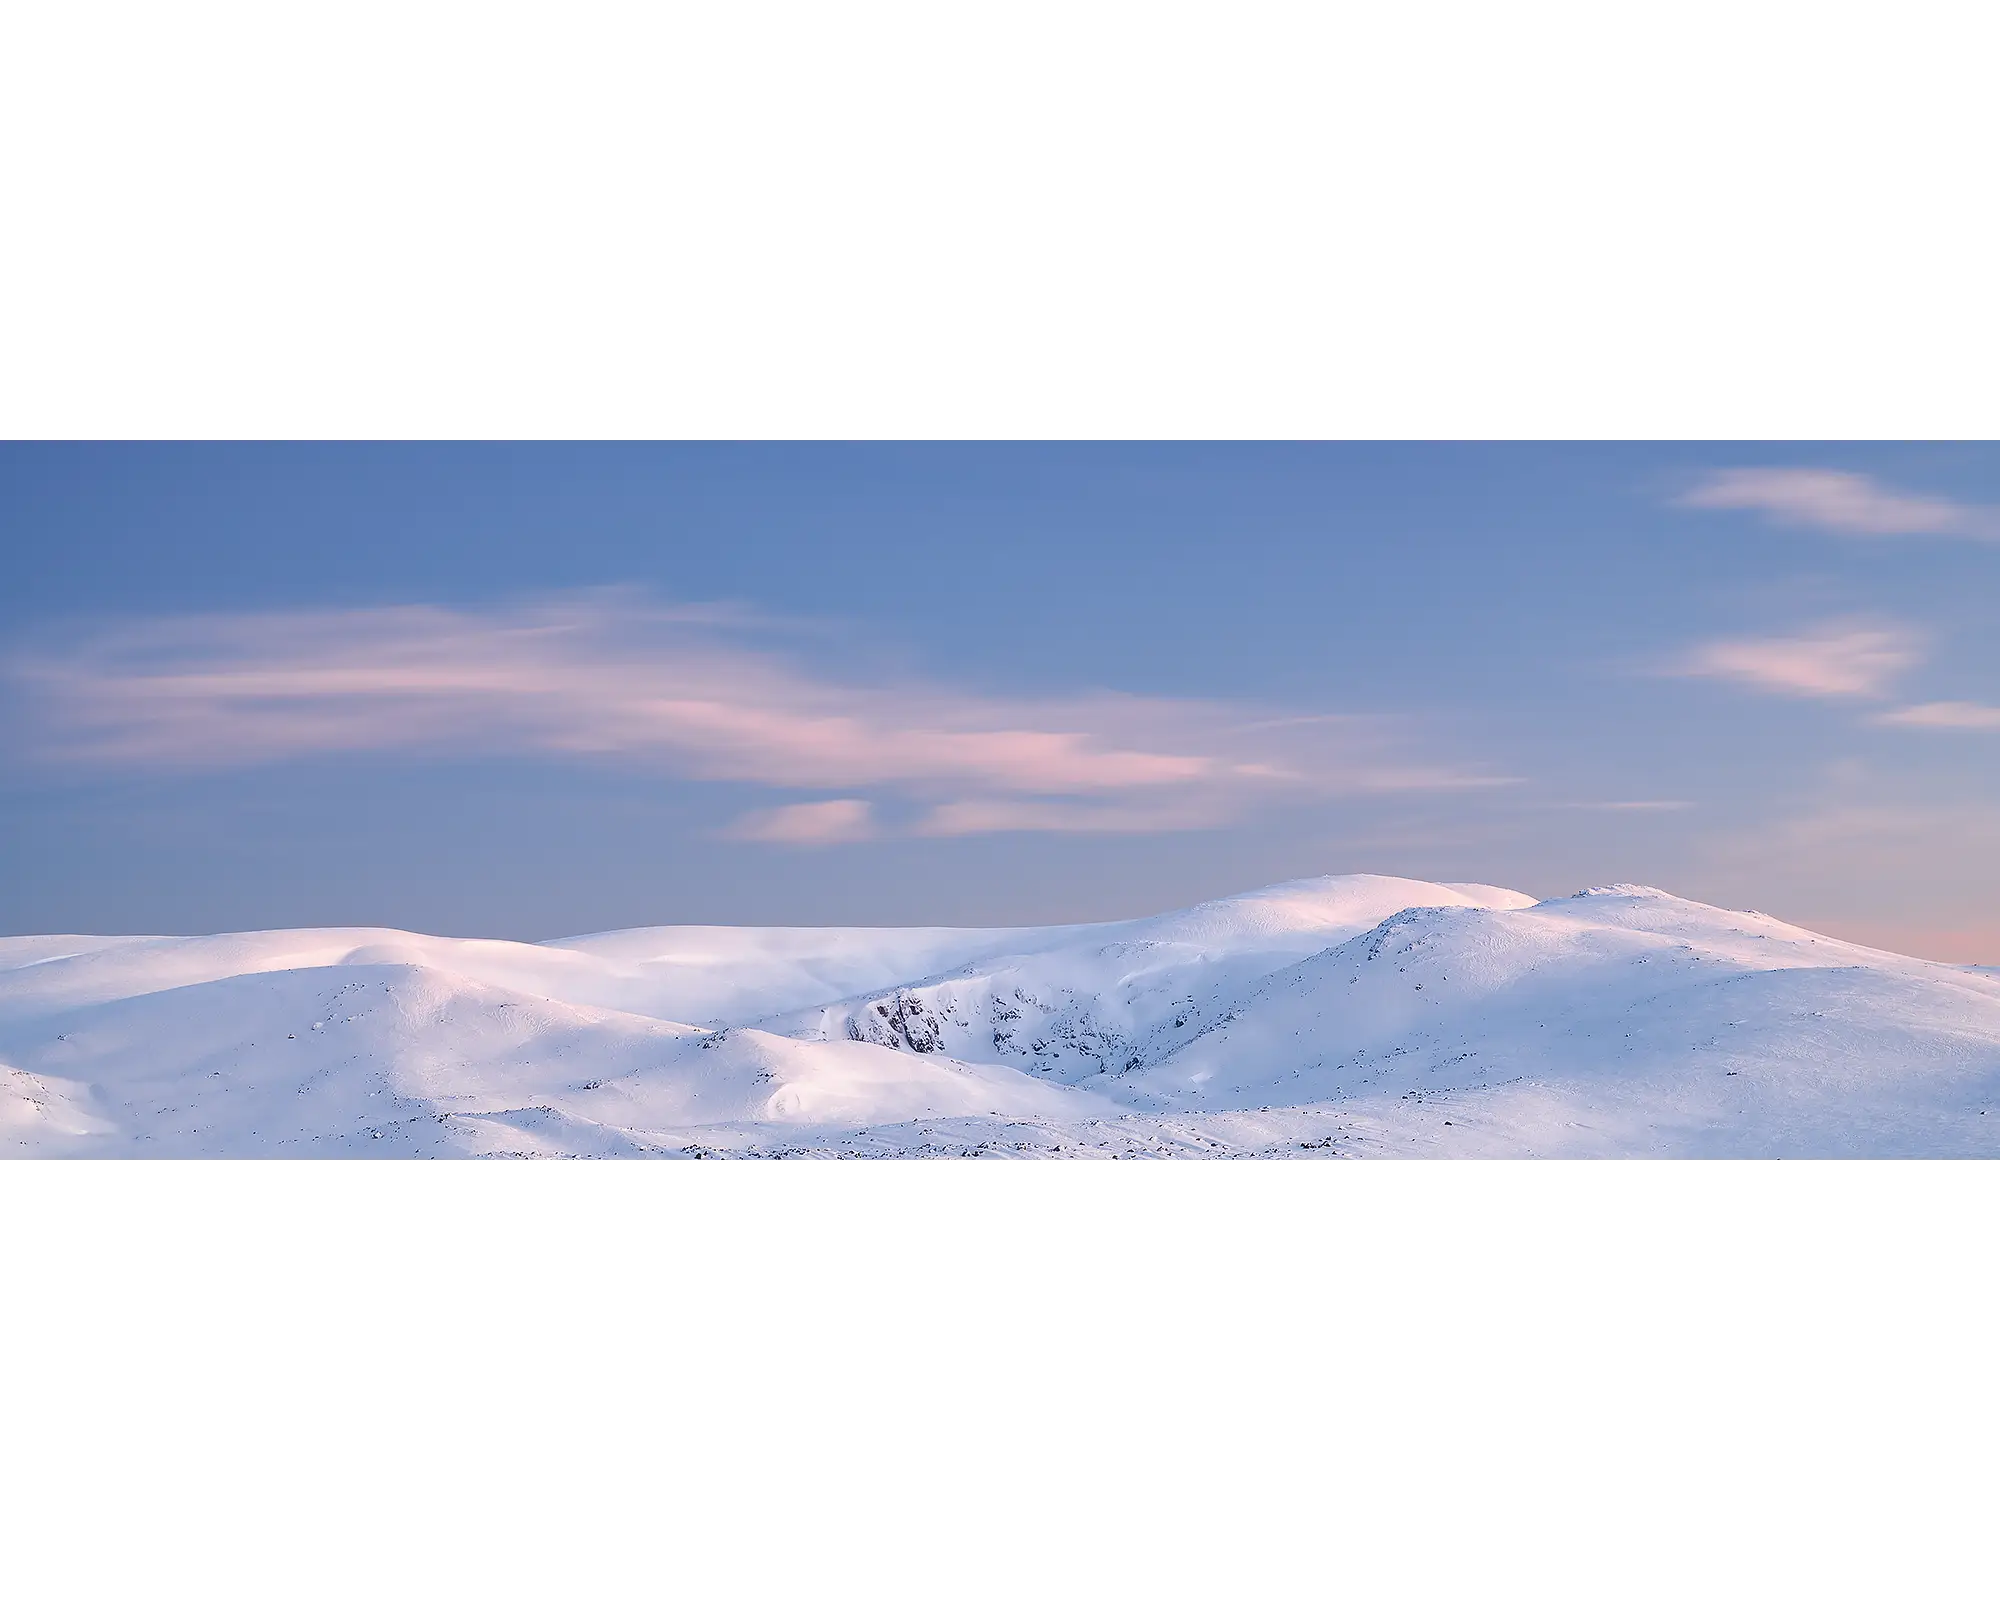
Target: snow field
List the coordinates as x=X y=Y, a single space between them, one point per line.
x=1352 y=1015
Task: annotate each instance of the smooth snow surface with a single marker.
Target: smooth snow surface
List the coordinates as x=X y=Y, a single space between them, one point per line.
x=1332 y=1016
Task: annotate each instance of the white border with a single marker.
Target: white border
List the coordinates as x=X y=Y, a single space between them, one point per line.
x=1727 y=218
x=1630 y=1378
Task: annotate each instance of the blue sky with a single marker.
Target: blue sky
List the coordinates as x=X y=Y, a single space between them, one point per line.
x=540 y=689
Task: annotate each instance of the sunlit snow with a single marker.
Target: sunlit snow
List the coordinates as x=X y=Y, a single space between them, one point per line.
x=1359 y=1016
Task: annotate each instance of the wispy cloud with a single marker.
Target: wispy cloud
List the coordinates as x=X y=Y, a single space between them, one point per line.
x=1832 y=662
x=1623 y=805
x=811 y=822
x=696 y=692
x=1838 y=502
x=1943 y=714
x=1160 y=814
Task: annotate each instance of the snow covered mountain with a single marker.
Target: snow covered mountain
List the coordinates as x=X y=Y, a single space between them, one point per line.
x=1343 y=1015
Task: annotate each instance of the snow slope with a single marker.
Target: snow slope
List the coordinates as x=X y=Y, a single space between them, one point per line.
x=1346 y=1015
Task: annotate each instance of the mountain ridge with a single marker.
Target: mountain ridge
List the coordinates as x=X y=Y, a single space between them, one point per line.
x=1354 y=1014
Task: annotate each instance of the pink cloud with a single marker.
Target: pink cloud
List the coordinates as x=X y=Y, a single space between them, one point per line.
x=690 y=691
x=1944 y=714
x=1832 y=662
x=1835 y=502
x=1624 y=805
x=814 y=822
x=960 y=817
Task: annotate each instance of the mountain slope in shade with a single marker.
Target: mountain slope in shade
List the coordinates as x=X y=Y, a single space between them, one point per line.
x=1348 y=1015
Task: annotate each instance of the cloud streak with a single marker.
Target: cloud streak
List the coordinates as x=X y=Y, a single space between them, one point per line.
x=696 y=693
x=1944 y=714
x=1837 y=661
x=1623 y=805
x=813 y=822
x=1847 y=503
